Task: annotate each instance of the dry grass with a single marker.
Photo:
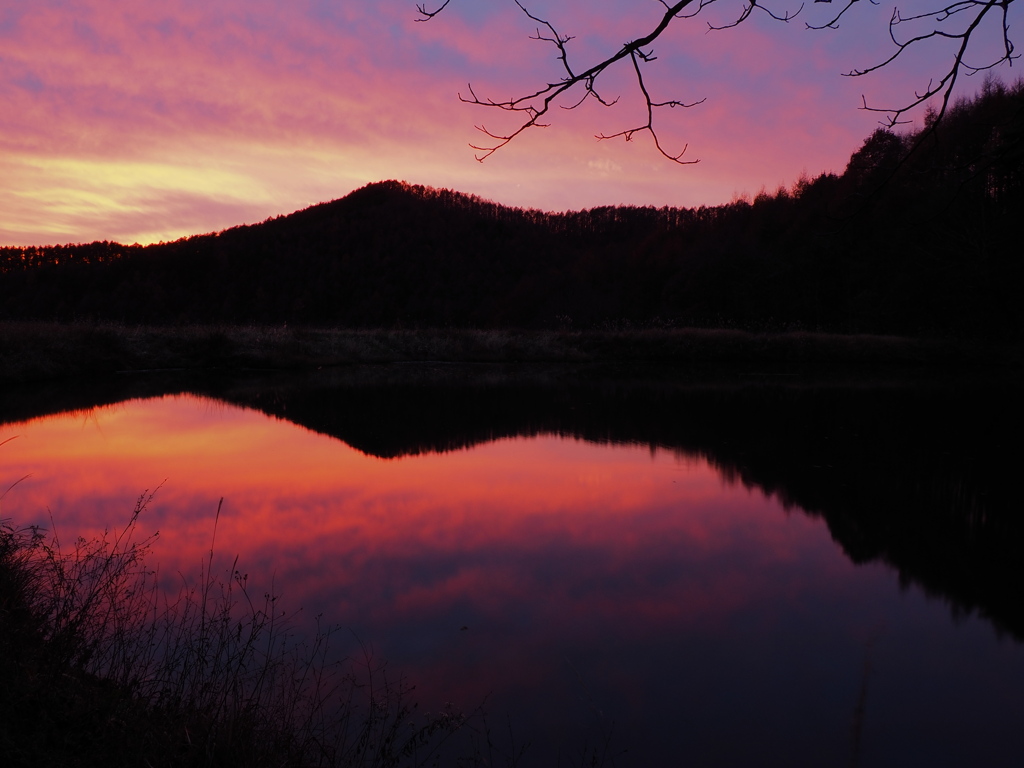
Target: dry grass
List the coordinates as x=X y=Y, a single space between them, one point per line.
x=41 y=351
x=102 y=668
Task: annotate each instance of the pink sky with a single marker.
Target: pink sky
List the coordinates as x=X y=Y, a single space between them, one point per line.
x=142 y=122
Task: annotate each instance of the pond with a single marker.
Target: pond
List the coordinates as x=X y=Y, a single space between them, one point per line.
x=679 y=573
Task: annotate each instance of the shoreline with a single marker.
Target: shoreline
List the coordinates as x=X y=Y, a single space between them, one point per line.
x=38 y=352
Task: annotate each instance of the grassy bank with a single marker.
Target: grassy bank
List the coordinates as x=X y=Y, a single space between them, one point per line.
x=100 y=668
x=47 y=351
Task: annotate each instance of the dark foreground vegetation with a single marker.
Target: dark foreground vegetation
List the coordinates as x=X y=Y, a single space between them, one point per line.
x=918 y=236
x=100 y=667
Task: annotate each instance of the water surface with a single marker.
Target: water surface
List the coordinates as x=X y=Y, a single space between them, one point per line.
x=649 y=595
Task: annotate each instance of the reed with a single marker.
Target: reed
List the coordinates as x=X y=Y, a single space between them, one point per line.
x=102 y=667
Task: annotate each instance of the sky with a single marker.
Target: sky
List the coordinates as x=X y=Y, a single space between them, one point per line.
x=146 y=121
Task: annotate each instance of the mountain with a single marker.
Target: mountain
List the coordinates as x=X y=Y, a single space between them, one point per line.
x=916 y=236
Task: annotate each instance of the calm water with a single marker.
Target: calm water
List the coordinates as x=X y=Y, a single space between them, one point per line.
x=585 y=589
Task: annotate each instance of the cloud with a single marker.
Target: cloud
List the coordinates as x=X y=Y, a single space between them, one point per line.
x=157 y=120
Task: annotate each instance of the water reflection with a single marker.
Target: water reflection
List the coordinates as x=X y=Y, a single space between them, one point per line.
x=673 y=588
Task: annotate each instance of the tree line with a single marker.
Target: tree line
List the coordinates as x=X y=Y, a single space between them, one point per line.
x=917 y=235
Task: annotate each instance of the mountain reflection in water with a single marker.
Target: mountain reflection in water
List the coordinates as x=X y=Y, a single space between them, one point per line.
x=598 y=555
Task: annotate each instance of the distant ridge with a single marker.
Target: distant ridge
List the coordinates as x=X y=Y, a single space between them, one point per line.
x=921 y=246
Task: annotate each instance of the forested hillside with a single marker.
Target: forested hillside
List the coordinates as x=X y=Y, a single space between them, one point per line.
x=925 y=243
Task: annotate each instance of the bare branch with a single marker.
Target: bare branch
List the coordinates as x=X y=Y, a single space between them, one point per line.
x=961 y=40
x=533 y=106
x=954 y=21
x=648 y=127
x=833 y=23
x=428 y=15
x=750 y=8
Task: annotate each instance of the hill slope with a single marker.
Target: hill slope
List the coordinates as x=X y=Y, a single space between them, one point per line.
x=915 y=246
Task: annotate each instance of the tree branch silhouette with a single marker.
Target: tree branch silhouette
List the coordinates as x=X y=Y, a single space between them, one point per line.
x=956 y=23
x=973 y=12
x=535 y=105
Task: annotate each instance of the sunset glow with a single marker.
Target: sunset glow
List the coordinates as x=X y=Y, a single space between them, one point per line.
x=565 y=583
x=610 y=535
x=142 y=122
x=284 y=486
